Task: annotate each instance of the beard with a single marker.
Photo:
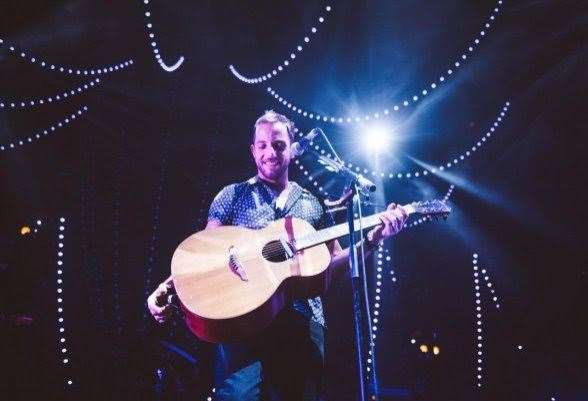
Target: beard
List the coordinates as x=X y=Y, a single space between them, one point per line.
x=272 y=172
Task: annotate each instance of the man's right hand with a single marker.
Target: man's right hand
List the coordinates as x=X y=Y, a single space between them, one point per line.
x=157 y=302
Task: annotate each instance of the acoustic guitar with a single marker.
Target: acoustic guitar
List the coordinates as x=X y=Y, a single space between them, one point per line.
x=232 y=281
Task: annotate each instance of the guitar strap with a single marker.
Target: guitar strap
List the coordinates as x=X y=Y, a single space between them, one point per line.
x=294 y=194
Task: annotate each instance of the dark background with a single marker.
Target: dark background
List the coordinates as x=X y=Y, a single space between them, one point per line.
x=135 y=175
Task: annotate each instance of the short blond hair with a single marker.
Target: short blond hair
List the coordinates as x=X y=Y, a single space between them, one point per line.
x=271 y=117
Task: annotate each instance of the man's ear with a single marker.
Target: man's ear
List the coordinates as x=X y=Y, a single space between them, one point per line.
x=252 y=148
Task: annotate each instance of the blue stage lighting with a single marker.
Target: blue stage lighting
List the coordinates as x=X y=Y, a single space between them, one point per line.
x=377 y=139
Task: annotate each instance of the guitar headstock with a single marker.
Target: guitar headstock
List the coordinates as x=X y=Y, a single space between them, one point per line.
x=432 y=209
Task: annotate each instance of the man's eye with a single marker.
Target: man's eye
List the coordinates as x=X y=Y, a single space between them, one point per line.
x=279 y=146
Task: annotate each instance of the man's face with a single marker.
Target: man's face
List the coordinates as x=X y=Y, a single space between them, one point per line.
x=271 y=150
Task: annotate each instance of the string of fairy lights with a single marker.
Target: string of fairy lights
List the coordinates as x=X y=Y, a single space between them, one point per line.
x=22 y=104
x=448 y=193
x=420 y=173
x=490 y=286
x=478 y=273
x=47 y=66
x=13 y=104
x=149 y=31
x=444 y=77
x=381 y=263
x=383 y=260
x=478 y=332
x=211 y=394
x=48 y=131
x=375 y=310
x=289 y=60
x=62 y=343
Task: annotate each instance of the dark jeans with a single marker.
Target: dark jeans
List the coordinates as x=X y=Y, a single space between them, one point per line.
x=284 y=363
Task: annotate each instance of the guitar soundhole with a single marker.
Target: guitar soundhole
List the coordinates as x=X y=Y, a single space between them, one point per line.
x=274 y=252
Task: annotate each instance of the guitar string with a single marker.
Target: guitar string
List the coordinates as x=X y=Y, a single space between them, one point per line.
x=275 y=248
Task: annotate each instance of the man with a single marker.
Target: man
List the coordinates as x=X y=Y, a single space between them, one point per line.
x=285 y=361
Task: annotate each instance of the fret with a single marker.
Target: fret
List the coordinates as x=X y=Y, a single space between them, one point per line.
x=429 y=208
x=331 y=233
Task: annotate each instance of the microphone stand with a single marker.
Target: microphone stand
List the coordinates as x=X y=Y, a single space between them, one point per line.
x=357 y=185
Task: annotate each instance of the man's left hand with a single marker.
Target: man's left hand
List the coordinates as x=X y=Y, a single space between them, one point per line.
x=393 y=220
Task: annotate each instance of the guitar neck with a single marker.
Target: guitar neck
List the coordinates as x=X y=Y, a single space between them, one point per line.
x=341 y=230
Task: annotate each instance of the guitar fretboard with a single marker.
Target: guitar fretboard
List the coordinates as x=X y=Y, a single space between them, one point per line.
x=338 y=231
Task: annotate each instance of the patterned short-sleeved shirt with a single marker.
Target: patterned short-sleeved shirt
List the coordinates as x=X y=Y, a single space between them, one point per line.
x=253 y=204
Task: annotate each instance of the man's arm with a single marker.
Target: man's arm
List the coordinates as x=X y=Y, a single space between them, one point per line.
x=340 y=256
x=157 y=303
x=392 y=222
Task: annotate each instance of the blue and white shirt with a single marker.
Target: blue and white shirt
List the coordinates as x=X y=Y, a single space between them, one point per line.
x=254 y=204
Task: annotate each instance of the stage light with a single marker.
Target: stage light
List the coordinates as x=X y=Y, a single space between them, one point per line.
x=436 y=350
x=424 y=348
x=376 y=140
x=25 y=230
x=427 y=168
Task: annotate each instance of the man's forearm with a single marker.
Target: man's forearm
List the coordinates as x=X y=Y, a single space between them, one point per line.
x=341 y=258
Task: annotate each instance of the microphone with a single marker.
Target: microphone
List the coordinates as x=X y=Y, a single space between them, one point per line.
x=340 y=168
x=299 y=147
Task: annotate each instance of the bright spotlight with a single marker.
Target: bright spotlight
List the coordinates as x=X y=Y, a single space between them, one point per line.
x=424 y=349
x=376 y=139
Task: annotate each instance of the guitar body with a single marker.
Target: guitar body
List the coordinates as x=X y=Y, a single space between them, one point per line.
x=233 y=281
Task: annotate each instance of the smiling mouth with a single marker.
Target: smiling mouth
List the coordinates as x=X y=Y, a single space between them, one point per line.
x=272 y=163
